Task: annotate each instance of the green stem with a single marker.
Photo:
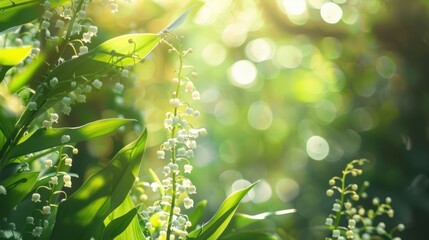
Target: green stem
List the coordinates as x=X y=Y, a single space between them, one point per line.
x=339 y=213
x=173 y=133
x=26 y=118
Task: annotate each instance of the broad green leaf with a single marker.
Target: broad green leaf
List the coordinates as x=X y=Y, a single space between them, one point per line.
x=217 y=224
x=44 y=138
x=241 y=220
x=177 y=22
x=125 y=50
x=197 y=214
x=122 y=223
x=10 y=57
x=17 y=186
x=14 y=55
x=22 y=78
x=7 y=120
x=81 y=216
x=252 y=235
x=17 y=12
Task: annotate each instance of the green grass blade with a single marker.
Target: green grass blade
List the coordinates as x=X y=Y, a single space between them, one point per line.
x=44 y=138
x=81 y=216
x=217 y=224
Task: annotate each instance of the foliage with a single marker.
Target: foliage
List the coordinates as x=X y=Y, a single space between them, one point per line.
x=362 y=223
x=44 y=77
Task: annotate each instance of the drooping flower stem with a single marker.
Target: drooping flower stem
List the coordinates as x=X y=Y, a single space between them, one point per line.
x=173 y=135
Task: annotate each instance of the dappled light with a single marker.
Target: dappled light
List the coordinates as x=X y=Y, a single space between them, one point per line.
x=263 y=102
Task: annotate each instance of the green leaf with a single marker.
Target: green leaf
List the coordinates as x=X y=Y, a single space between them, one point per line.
x=22 y=78
x=177 y=22
x=14 y=55
x=122 y=223
x=252 y=235
x=217 y=224
x=17 y=187
x=18 y=12
x=197 y=214
x=7 y=121
x=125 y=50
x=10 y=57
x=81 y=216
x=44 y=138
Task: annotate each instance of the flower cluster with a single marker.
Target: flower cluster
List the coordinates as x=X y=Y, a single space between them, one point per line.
x=165 y=219
x=360 y=223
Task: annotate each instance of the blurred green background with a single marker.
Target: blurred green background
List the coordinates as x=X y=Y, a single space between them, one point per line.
x=291 y=91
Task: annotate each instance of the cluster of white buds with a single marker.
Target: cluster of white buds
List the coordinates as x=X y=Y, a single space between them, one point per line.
x=360 y=221
x=178 y=151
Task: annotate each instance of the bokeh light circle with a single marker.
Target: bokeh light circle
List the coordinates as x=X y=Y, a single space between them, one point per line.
x=287 y=189
x=260 y=115
x=240 y=184
x=331 y=13
x=317 y=148
x=263 y=192
x=242 y=73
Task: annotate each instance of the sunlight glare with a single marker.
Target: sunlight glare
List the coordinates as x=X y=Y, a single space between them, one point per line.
x=294 y=7
x=287 y=189
x=242 y=73
x=317 y=148
x=331 y=13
